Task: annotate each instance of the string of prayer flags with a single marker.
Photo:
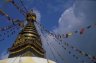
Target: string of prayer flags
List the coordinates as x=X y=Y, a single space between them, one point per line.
x=1 y=39
x=57 y=52
x=21 y=24
x=79 y=51
x=6 y=28
x=12 y=32
x=76 y=49
x=81 y=31
x=18 y=7
x=6 y=15
x=69 y=52
x=67 y=35
x=92 y=58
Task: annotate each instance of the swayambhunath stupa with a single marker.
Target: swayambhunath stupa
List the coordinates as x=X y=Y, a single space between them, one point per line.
x=29 y=32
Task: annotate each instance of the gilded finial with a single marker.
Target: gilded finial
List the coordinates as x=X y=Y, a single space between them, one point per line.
x=31 y=16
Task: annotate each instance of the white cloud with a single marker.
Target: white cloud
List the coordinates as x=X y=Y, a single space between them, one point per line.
x=81 y=14
x=68 y=21
x=74 y=18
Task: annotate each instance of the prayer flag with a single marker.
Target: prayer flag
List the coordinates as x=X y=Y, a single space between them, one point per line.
x=82 y=31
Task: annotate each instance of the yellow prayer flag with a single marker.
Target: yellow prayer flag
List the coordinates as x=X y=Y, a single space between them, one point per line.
x=70 y=33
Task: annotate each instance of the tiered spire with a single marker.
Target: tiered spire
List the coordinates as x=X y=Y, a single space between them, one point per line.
x=28 y=42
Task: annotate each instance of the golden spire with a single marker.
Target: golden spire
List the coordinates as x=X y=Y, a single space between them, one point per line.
x=28 y=42
x=31 y=16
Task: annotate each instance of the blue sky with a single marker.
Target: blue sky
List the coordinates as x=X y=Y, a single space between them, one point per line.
x=60 y=16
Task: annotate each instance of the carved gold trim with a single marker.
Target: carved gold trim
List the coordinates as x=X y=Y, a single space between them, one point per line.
x=25 y=48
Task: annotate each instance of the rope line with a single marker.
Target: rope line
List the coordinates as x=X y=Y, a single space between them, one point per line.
x=23 y=5
x=18 y=7
x=48 y=45
x=92 y=58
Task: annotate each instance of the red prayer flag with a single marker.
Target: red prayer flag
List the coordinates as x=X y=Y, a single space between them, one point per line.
x=82 y=31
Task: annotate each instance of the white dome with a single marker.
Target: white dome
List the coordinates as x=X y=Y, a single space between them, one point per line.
x=26 y=60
